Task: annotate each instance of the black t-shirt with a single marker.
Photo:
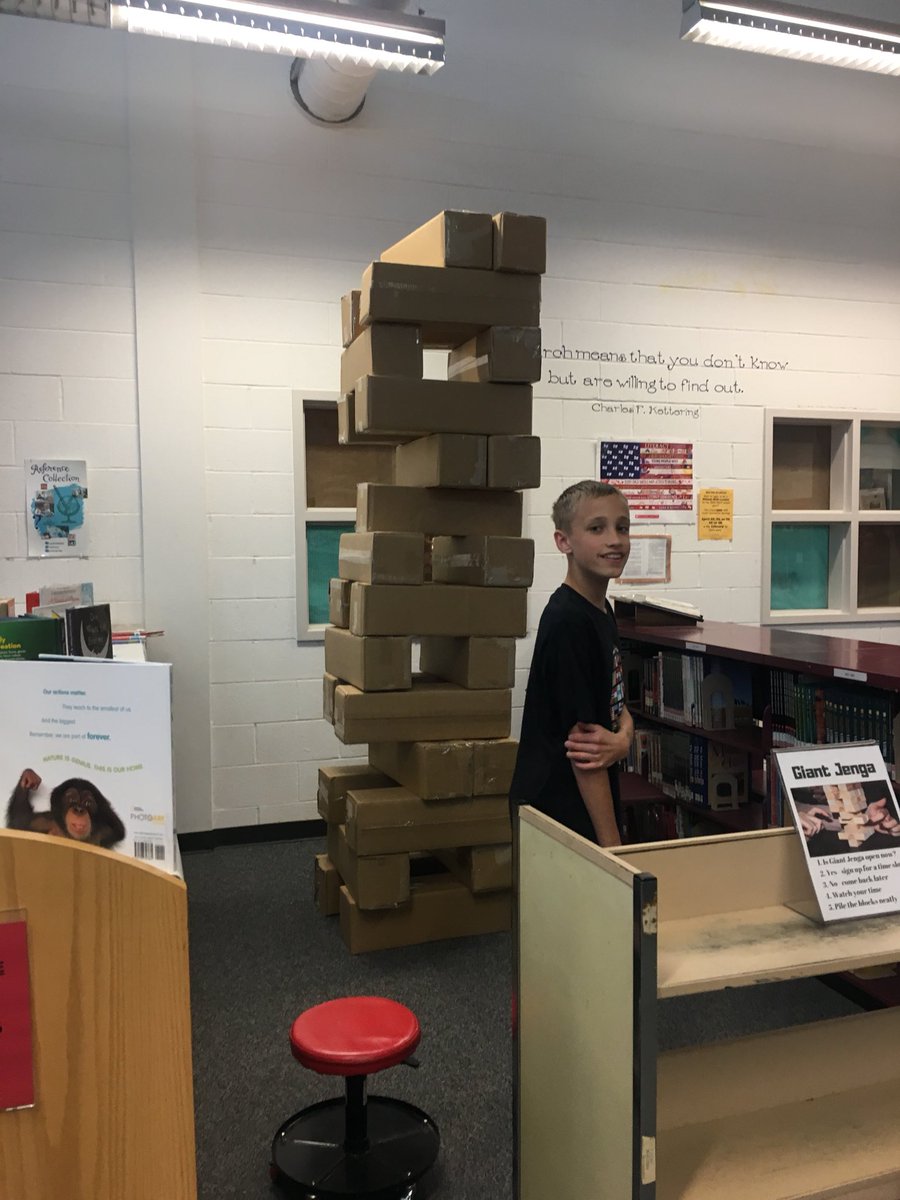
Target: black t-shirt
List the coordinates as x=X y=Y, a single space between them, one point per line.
x=576 y=675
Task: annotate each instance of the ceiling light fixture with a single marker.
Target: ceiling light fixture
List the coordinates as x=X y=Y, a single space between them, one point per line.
x=792 y=31
x=310 y=30
x=307 y=29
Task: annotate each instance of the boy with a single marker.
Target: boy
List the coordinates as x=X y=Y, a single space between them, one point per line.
x=575 y=726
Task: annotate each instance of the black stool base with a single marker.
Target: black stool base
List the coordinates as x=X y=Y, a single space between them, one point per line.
x=309 y=1158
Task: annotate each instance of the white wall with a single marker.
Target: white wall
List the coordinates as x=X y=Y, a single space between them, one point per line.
x=699 y=202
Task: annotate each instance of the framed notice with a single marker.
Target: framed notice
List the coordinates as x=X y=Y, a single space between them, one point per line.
x=656 y=478
x=16 y=1043
x=650 y=560
x=846 y=813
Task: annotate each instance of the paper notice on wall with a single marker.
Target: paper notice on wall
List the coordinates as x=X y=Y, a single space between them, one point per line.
x=55 y=497
x=649 y=560
x=657 y=478
x=715 y=514
x=846 y=813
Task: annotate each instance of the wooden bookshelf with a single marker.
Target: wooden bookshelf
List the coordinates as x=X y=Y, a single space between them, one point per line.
x=806 y=1113
x=846 y=665
x=813 y=654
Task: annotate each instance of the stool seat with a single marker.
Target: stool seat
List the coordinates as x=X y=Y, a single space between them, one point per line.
x=355 y=1035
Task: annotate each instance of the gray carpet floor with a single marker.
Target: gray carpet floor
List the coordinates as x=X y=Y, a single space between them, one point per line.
x=261 y=954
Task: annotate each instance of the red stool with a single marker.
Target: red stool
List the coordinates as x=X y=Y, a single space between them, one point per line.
x=355 y=1145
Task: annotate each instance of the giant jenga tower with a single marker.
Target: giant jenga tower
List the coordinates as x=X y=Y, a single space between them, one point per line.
x=419 y=841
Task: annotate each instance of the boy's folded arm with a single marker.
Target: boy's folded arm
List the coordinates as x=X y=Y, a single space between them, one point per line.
x=597 y=796
x=593 y=747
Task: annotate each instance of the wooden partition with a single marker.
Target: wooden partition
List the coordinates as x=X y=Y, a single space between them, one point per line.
x=107 y=944
x=586 y=1019
x=806 y=1113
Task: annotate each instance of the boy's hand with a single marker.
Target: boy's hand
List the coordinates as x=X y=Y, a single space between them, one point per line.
x=593 y=748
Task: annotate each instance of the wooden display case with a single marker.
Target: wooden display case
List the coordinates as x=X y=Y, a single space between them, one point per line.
x=798 y=1114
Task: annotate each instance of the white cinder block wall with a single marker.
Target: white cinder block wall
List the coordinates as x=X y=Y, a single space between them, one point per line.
x=683 y=233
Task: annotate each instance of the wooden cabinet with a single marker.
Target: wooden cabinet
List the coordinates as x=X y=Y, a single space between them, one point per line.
x=800 y=688
x=805 y=1113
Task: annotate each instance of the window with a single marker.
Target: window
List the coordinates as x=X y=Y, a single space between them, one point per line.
x=831 y=518
x=325 y=479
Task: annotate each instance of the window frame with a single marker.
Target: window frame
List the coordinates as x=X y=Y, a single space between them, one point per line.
x=304 y=516
x=844 y=515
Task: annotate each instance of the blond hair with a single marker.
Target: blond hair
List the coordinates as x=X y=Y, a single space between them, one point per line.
x=588 y=489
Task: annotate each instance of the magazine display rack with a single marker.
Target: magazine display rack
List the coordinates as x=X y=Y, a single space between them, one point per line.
x=803 y=1113
x=107 y=946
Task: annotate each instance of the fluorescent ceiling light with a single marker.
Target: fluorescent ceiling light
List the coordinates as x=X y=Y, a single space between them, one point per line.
x=315 y=29
x=794 y=32
x=306 y=29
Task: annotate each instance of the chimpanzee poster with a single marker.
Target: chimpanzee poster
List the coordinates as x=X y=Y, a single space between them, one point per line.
x=86 y=754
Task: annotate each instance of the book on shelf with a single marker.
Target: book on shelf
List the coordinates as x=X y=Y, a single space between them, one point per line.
x=30 y=637
x=645 y=609
x=89 y=631
x=809 y=711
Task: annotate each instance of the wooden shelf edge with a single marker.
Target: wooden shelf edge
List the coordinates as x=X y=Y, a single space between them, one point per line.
x=827 y=1129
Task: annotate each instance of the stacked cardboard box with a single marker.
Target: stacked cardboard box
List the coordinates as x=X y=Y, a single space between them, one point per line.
x=419 y=840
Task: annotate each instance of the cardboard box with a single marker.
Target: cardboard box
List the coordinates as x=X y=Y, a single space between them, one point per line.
x=349 y=317
x=520 y=245
x=449 y=304
x=442 y=460
x=412 y=408
x=326 y=886
x=329 y=683
x=472 y=662
x=451 y=239
x=334 y=784
x=436 y=610
x=493 y=763
x=384 y=506
x=480 y=868
x=502 y=354
x=432 y=770
x=382 y=557
x=347 y=435
x=382 y=350
x=395 y=821
x=483 y=561
x=514 y=462
x=339 y=602
x=428 y=712
x=379 y=881
x=372 y=664
x=439 y=907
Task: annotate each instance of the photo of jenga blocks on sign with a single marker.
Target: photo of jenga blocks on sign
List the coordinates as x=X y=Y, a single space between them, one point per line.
x=418 y=844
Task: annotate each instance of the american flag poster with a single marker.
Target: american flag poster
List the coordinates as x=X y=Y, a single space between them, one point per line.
x=657 y=478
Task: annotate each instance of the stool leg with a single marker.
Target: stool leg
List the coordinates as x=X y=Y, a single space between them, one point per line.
x=357 y=1140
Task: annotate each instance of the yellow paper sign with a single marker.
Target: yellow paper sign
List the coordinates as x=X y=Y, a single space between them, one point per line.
x=715 y=517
